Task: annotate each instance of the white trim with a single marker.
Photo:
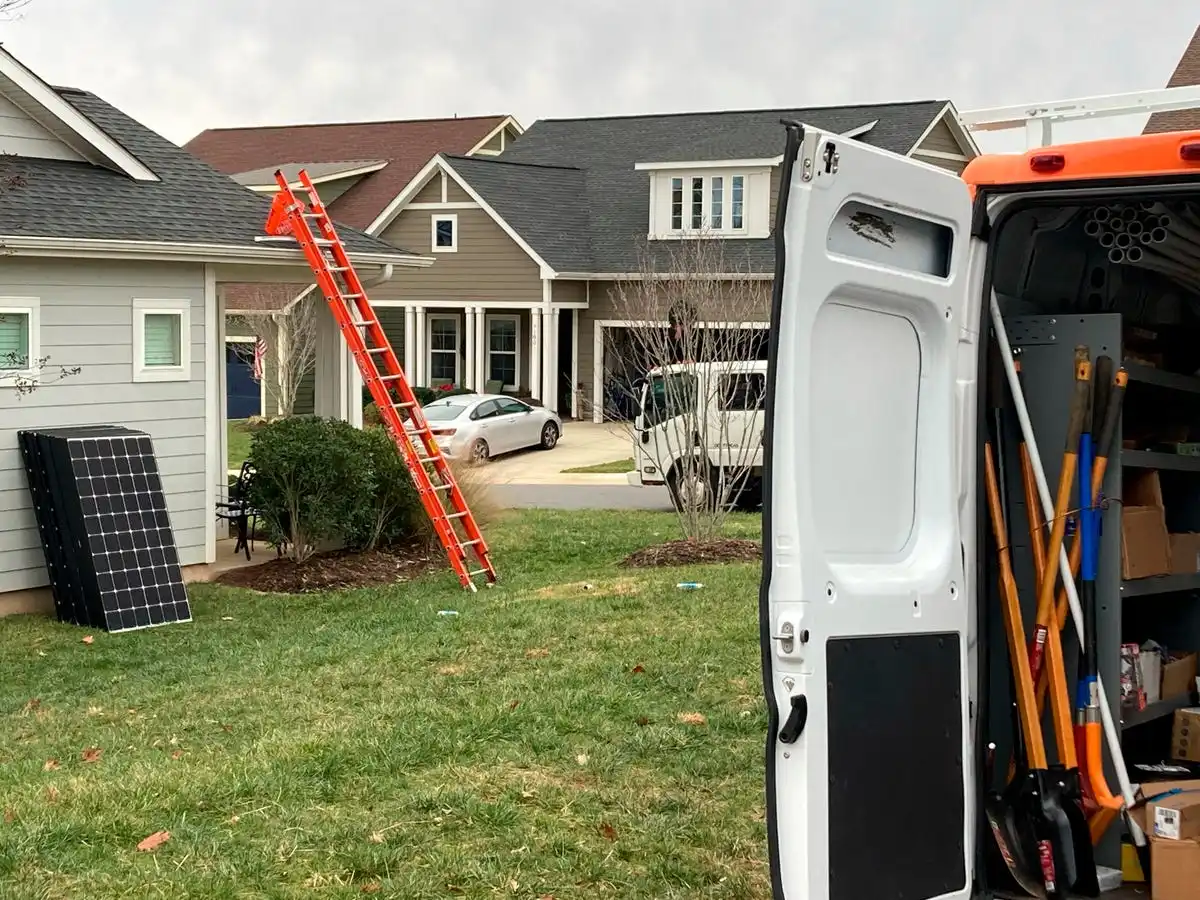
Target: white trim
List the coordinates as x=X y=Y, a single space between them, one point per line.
x=951 y=117
x=31 y=307
x=535 y=352
x=860 y=130
x=488 y=319
x=763 y=163
x=445 y=187
x=91 y=248
x=942 y=154
x=216 y=409
x=434 y=220
x=479 y=315
x=401 y=200
x=429 y=351
x=238 y=339
x=170 y=307
x=509 y=122
x=273 y=186
x=454 y=204
x=575 y=364
x=469 y=342
x=489 y=304
x=410 y=341
x=76 y=123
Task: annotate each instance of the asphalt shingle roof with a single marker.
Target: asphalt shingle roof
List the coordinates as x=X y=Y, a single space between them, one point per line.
x=569 y=186
x=1186 y=74
x=191 y=204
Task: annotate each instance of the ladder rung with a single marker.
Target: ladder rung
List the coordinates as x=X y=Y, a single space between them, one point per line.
x=442 y=487
x=362 y=323
x=404 y=405
x=323 y=242
x=391 y=377
x=339 y=268
x=472 y=574
x=458 y=515
x=470 y=543
x=378 y=349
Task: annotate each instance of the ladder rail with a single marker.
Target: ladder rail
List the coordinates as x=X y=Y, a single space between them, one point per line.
x=391 y=392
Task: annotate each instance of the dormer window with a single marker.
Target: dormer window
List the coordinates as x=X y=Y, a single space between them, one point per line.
x=721 y=199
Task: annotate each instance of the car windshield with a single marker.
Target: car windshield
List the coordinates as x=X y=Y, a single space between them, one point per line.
x=444 y=410
x=667 y=397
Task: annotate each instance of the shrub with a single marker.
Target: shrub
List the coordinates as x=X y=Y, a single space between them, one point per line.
x=390 y=510
x=371 y=415
x=309 y=480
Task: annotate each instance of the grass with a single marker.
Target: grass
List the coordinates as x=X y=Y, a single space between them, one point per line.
x=239 y=442
x=578 y=731
x=617 y=466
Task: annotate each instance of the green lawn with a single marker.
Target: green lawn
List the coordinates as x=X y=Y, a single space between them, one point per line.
x=239 y=442
x=617 y=466
x=578 y=731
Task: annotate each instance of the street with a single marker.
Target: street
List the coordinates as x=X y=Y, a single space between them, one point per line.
x=574 y=496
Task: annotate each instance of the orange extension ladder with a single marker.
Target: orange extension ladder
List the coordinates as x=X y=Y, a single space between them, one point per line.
x=309 y=224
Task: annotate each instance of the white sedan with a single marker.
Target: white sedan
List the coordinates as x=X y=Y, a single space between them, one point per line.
x=476 y=427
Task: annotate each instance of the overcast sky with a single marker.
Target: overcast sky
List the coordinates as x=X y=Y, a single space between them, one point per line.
x=184 y=65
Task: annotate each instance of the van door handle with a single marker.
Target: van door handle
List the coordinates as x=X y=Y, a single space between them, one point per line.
x=796 y=720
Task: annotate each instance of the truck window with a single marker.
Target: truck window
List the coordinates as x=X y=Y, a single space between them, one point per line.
x=668 y=396
x=743 y=391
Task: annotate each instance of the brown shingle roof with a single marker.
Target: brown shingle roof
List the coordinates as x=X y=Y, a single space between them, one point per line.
x=255 y=297
x=1187 y=73
x=406 y=145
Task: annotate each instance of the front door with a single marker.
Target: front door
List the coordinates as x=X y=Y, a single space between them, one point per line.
x=243 y=393
x=864 y=611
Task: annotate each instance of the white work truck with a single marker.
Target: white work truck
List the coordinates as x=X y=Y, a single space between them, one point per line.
x=699 y=431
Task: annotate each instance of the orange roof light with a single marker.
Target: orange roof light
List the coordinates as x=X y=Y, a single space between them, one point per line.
x=1047 y=162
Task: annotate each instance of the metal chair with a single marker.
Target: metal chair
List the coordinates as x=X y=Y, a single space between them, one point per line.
x=237 y=509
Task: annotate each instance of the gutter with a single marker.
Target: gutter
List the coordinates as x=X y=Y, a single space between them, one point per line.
x=91 y=248
x=654 y=276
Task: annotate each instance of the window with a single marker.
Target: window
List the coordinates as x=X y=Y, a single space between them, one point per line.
x=486 y=410
x=668 y=397
x=511 y=407
x=738 y=201
x=19 y=327
x=445 y=233
x=503 y=354
x=443 y=350
x=162 y=340
x=697 y=204
x=716 y=209
x=743 y=391
x=676 y=203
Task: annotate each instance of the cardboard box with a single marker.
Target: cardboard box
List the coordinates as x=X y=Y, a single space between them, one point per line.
x=1145 y=546
x=1185 y=735
x=1141 y=487
x=1178 y=675
x=1151 y=668
x=1174 y=869
x=1177 y=818
x=1185 y=553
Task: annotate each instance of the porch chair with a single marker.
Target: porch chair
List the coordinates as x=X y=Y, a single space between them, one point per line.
x=495 y=386
x=237 y=509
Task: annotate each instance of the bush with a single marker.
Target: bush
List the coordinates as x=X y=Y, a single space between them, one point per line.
x=389 y=511
x=309 y=481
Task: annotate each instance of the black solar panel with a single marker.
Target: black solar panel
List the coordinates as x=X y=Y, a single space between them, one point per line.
x=102 y=516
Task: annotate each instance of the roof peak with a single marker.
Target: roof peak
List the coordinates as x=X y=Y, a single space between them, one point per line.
x=743 y=112
x=362 y=123
x=1187 y=73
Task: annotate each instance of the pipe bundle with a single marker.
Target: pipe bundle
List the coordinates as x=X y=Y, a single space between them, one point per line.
x=1149 y=235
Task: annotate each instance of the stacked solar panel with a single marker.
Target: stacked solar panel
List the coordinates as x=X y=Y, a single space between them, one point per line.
x=102 y=515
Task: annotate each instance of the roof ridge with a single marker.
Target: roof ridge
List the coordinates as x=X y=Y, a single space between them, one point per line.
x=741 y=112
x=512 y=162
x=359 y=123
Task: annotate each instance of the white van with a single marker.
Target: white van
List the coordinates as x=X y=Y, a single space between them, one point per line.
x=699 y=431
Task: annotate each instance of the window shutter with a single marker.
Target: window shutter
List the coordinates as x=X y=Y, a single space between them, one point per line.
x=14 y=340
x=161 y=343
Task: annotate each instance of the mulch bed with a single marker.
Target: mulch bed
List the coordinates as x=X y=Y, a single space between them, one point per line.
x=693 y=553
x=339 y=570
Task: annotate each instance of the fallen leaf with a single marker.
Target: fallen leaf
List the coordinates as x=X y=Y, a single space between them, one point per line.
x=451 y=670
x=692 y=718
x=608 y=832
x=88 y=639
x=638 y=669
x=376 y=837
x=154 y=841
x=92 y=754
x=233 y=820
x=537 y=653
x=41 y=653
x=226 y=618
x=178 y=754
x=31 y=705
x=51 y=793
x=9 y=816
x=95 y=711
x=582 y=759
x=514 y=704
x=227 y=728
x=546 y=897
x=50 y=765
x=371 y=887
x=643 y=721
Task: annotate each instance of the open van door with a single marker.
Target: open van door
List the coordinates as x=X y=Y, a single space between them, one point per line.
x=864 y=607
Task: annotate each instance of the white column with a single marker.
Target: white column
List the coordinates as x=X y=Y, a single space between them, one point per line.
x=550 y=362
x=535 y=352
x=419 y=348
x=469 y=380
x=354 y=389
x=481 y=347
x=410 y=341
x=575 y=364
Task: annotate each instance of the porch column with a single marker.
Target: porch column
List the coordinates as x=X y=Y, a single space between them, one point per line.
x=410 y=341
x=535 y=352
x=333 y=371
x=550 y=358
x=481 y=347
x=469 y=380
x=575 y=363
x=419 y=347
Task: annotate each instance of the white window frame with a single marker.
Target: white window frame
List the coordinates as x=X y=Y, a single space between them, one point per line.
x=31 y=307
x=182 y=309
x=487 y=347
x=452 y=218
x=457 y=319
x=686 y=180
x=262 y=382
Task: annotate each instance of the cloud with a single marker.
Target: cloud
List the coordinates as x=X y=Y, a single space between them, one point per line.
x=182 y=67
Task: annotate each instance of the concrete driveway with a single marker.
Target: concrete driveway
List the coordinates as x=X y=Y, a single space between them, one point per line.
x=581 y=444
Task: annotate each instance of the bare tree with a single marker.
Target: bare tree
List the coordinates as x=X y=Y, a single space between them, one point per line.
x=10 y=8
x=289 y=349
x=693 y=326
x=25 y=375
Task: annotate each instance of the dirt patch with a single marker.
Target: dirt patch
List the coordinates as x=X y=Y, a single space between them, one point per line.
x=620 y=587
x=693 y=553
x=337 y=571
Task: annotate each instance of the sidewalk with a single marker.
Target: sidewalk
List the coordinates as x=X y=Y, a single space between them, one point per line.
x=581 y=444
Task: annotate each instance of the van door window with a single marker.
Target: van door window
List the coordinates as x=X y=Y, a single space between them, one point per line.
x=669 y=396
x=743 y=391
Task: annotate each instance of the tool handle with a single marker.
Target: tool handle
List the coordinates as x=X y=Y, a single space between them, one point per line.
x=1080 y=397
x=1112 y=414
x=1102 y=376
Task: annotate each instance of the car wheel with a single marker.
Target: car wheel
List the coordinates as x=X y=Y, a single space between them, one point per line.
x=549 y=436
x=479 y=453
x=691 y=487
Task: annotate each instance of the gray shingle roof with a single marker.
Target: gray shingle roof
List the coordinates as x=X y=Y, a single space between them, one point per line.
x=192 y=204
x=316 y=170
x=569 y=186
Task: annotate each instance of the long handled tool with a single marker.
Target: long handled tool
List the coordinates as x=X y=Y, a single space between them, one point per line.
x=1112 y=736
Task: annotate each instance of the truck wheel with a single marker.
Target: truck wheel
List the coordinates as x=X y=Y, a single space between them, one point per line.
x=749 y=499
x=691 y=487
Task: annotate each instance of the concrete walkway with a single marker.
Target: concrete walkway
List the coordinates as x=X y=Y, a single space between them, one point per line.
x=581 y=444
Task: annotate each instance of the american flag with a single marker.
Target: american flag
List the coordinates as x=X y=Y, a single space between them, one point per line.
x=260 y=354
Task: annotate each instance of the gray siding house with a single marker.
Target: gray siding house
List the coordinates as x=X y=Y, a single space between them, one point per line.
x=116 y=243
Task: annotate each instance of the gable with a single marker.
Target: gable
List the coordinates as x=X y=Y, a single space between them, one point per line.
x=1186 y=74
x=22 y=135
